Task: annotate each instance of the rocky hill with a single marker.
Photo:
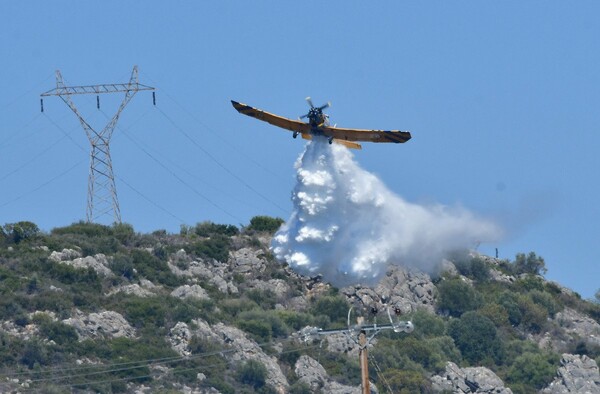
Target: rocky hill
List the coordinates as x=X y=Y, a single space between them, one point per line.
x=89 y=308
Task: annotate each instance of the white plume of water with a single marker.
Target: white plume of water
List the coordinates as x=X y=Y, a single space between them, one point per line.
x=347 y=226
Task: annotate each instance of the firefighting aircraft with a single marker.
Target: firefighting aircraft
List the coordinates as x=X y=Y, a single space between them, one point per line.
x=318 y=124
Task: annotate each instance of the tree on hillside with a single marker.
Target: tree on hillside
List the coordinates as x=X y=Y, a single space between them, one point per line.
x=20 y=231
x=265 y=223
x=476 y=337
x=457 y=297
x=529 y=264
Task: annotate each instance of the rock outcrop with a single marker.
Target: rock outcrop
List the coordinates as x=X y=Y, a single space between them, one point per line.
x=193 y=291
x=107 y=324
x=402 y=289
x=310 y=372
x=468 y=380
x=577 y=374
x=98 y=263
x=239 y=347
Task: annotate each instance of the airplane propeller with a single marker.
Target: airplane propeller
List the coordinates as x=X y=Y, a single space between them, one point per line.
x=313 y=109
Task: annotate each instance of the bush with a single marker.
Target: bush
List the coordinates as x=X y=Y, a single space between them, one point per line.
x=207 y=229
x=334 y=307
x=406 y=382
x=529 y=264
x=533 y=369
x=153 y=268
x=18 y=232
x=216 y=247
x=427 y=325
x=263 y=325
x=476 y=337
x=545 y=300
x=473 y=268
x=457 y=297
x=266 y=299
x=253 y=373
x=56 y=331
x=265 y=223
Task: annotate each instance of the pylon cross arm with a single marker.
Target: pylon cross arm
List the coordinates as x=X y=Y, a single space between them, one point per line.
x=96 y=89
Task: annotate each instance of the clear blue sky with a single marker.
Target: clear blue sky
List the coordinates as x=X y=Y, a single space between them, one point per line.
x=502 y=99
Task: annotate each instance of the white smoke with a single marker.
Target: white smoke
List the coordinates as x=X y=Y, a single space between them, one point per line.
x=347 y=226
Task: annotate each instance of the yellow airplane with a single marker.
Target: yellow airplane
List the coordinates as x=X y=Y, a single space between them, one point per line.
x=318 y=124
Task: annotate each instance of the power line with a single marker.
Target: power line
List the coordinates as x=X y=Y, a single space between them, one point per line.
x=188 y=172
x=42 y=185
x=217 y=134
x=34 y=88
x=214 y=159
x=79 y=372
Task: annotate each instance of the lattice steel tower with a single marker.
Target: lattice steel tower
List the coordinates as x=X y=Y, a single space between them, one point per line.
x=102 y=193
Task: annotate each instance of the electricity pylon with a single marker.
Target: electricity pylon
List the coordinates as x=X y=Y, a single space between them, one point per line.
x=102 y=193
x=362 y=334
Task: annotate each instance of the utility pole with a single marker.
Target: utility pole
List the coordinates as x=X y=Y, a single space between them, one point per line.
x=102 y=193
x=359 y=333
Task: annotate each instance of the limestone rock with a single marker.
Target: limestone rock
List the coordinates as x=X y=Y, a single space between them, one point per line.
x=247 y=261
x=468 y=380
x=579 y=326
x=187 y=291
x=134 y=289
x=310 y=372
x=66 y=254
x=577 y=374
x=179 y=338
x=98 y=263
x=402 y=289
x=107 y=324
x=277 y=286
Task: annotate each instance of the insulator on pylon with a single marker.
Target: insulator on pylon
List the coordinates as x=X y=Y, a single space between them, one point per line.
x=98 y=102
x=154 y=98
x=42 y=104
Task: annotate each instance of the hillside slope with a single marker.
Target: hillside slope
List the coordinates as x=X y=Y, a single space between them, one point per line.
x=91 y=308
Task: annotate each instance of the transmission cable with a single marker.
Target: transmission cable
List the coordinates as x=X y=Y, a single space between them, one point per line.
x=5 y=106
x=132 y=365
x=214 y=159
x=42 y=185
x=219 y=135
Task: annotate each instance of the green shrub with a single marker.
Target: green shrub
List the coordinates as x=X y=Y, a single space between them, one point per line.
x=545 y=300
x=476 y=337
x=216 y=247
x=496 y=313
x=334 y=307
x=265 y=223
x=405 y=382
x=263 y=326
x=533 y=369
x=121 y=265
x=266 y=299
x=534 y=317
x=59 y=332
x=473 y=268
x=153 y=269
x=529 y=264
x=21 y=231
x=207 y=229
x=457 y=297
x=427 y=325
x=253 y=373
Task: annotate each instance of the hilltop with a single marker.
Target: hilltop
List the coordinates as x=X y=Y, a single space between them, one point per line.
x=93 y=308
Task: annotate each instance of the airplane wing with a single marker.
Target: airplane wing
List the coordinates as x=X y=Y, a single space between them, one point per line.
x=338 y=133
x=347 y=144
x=289 y=124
